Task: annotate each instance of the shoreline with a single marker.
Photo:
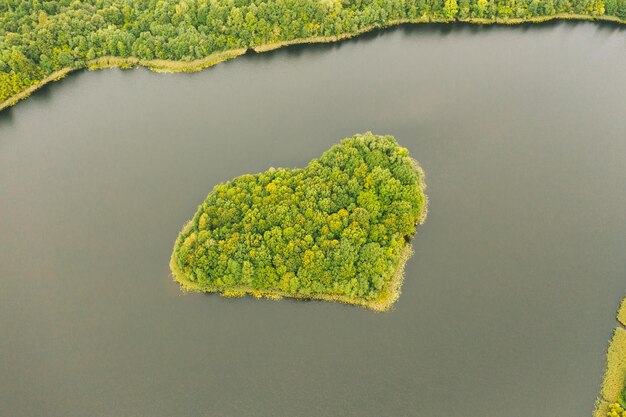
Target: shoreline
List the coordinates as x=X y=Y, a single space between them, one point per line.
x=55 y=76
x=380 y=305
x=388 y=296
x=174 y=66
x=614 y=377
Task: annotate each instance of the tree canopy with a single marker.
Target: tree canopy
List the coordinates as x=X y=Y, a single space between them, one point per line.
x=337 y=229
x=39 y=37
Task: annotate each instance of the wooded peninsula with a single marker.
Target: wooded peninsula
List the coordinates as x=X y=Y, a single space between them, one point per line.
x=612 y=399
x=339 y=229
x=42 y=41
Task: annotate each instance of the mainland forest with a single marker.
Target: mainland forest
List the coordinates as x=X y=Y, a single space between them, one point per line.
x=39 y=38
x=336 y=230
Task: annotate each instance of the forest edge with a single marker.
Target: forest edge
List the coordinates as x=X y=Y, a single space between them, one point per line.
x=173 y=66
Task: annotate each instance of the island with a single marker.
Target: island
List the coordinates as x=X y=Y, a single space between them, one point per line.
x=42 y=41
x=612 y=399
x=339 y=229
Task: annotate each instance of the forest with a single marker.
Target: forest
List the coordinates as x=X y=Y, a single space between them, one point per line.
x=38 y=37
x=337 y=229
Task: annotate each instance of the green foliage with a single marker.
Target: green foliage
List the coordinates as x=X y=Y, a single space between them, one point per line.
x=337 y=227
x=612 y=401
x=617 y=409
x=40 y=37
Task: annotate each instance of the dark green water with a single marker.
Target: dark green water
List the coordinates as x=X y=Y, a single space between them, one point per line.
x=508 y=302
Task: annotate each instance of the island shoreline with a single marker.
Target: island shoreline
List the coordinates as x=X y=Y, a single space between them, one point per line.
x=381 y=304
x=395 y=284
x=174 y=66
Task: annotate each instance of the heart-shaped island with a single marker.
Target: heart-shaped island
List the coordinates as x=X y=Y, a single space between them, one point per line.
x=339 y=229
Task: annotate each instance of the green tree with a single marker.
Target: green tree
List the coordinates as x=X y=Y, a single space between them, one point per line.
x=450 y=9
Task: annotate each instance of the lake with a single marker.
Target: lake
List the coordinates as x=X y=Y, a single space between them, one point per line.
x=508 y=302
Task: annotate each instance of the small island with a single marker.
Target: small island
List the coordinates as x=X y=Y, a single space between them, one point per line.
x=338 y=230
x=612 y=399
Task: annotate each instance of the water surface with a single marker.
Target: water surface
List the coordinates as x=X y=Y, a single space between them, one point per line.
x=508 y=302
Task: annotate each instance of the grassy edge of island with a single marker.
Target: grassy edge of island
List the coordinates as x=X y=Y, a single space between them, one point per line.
x=383 y=303
x=614 y=378
x=621 y=315
x=174 y=66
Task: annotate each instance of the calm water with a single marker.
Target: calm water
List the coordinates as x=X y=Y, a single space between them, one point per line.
x=508 y=302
